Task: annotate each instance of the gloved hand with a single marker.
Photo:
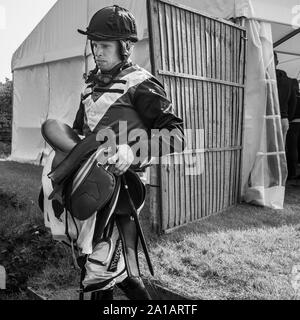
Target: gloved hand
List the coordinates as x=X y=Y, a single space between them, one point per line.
x=122 y=159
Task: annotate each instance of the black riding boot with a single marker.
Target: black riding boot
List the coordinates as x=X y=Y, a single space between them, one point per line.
x=134 y=289
x=103 y=295
x=133 y=285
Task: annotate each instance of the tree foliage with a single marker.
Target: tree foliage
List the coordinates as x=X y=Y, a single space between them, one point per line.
x=6 y=92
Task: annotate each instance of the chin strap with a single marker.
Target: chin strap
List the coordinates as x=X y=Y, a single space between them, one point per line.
x=103 y=79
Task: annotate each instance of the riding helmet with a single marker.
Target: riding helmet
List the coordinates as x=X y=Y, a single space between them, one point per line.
x=111 y=23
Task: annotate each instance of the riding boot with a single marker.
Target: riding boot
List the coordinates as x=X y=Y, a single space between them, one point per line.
x=103 y=294
x=133 y=285
x=134 y=289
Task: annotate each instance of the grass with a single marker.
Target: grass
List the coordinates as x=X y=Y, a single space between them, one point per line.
x=246 y=252
x=26 y=247
x=249 y=264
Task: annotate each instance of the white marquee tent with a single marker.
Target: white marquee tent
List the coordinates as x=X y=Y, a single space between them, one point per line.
x=48 y=67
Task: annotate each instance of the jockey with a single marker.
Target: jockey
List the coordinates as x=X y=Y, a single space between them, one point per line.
x=118 y=91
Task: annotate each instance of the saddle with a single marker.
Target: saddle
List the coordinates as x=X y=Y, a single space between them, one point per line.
x=70 y=150
x=86 y=183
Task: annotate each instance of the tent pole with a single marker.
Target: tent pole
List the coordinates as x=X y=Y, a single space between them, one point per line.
x=155 y=173
x=242 y=22
x=87 y=42
x=288 y=53
x=285 y=38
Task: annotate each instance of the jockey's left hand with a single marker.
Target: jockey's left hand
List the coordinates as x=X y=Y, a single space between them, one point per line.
x=121 y=160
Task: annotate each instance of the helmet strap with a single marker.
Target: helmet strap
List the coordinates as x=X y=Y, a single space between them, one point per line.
x=126 y=47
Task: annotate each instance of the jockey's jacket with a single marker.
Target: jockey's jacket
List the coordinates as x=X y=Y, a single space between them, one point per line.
x=134 y=99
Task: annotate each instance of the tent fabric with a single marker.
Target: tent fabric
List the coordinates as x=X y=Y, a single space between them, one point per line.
x=272 y=11
x=51 y=91
x=264 y=151
x=55 y=37
x=65 y=83
x=30 y=107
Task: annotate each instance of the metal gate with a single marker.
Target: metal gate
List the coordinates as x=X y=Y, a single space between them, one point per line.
x=201 y=62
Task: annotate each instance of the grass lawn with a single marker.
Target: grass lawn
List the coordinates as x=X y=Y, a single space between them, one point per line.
x=26 y=247
x=247 y=252
x=244 y=253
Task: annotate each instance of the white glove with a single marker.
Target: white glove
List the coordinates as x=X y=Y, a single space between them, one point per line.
x=122 y=160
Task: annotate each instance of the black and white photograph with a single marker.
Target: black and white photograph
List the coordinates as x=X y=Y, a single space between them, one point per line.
x=149 y=151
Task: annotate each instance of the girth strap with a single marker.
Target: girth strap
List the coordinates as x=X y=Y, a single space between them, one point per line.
x=130 y=230
x=128 y=234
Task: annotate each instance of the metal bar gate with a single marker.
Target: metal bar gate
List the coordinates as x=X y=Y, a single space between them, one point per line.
x=201 y=62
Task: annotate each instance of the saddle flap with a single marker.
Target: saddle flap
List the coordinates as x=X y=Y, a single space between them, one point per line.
x=92 y=194
x=136 y=190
